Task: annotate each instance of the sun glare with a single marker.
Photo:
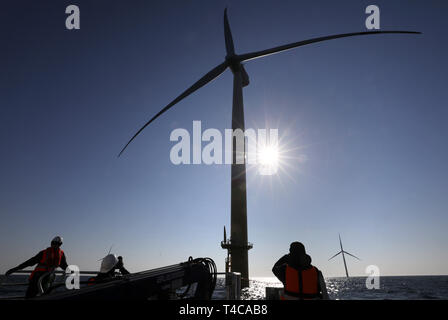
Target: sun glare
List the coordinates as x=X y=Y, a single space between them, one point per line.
x=268 y=160
x=268 y=156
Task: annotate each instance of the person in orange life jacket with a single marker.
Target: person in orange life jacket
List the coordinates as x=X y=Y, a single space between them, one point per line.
x=47 y=261
x=109 y=264
x=300 y=278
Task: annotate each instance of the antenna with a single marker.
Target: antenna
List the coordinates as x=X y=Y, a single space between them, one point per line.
x=107 y=253
x=343 y=256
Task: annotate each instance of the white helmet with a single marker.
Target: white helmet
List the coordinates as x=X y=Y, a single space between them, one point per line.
x=108 y=263
x=57 y=239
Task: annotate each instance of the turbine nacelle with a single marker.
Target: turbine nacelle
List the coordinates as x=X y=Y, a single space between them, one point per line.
x=233 y=62
x=235 y=65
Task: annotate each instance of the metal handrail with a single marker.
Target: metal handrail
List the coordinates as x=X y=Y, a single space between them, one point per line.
x=57 y=272
x=228 y=243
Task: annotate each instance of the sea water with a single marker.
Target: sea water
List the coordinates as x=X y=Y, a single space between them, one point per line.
x=354 y=288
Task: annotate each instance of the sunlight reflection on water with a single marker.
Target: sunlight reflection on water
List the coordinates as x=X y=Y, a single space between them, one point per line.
x=403 y=288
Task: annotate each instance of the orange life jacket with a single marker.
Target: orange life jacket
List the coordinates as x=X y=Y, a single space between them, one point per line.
x=301 y=284
x=91 y=281
x=51 y=259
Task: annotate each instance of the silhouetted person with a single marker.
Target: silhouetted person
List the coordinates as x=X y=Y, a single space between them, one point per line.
x=301 y=280
x=47 y=261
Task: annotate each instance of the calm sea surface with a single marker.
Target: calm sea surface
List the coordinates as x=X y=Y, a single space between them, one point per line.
x=402 y=288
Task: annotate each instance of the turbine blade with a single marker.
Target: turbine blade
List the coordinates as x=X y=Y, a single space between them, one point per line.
x=352 y=255
x=228 y=35
x=335 y=255
x=245 y=76
x=263 y=53
x=211 y=75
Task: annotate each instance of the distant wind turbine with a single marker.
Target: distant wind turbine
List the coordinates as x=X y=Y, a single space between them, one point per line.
x=343 y=257
x=238 y=245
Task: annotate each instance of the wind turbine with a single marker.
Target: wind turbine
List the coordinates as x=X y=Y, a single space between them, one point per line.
x=238 y=245
x=343 y=257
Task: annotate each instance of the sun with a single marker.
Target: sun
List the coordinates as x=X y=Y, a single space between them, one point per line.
x=268 y=156
x=268 y=159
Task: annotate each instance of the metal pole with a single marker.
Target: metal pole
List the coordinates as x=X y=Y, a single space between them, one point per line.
x=239 y=245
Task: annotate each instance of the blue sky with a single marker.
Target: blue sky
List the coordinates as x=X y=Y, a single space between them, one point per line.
x=368 y=114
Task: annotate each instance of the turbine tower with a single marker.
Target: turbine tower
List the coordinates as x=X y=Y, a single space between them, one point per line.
x=343 y=257
x=238 y=246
